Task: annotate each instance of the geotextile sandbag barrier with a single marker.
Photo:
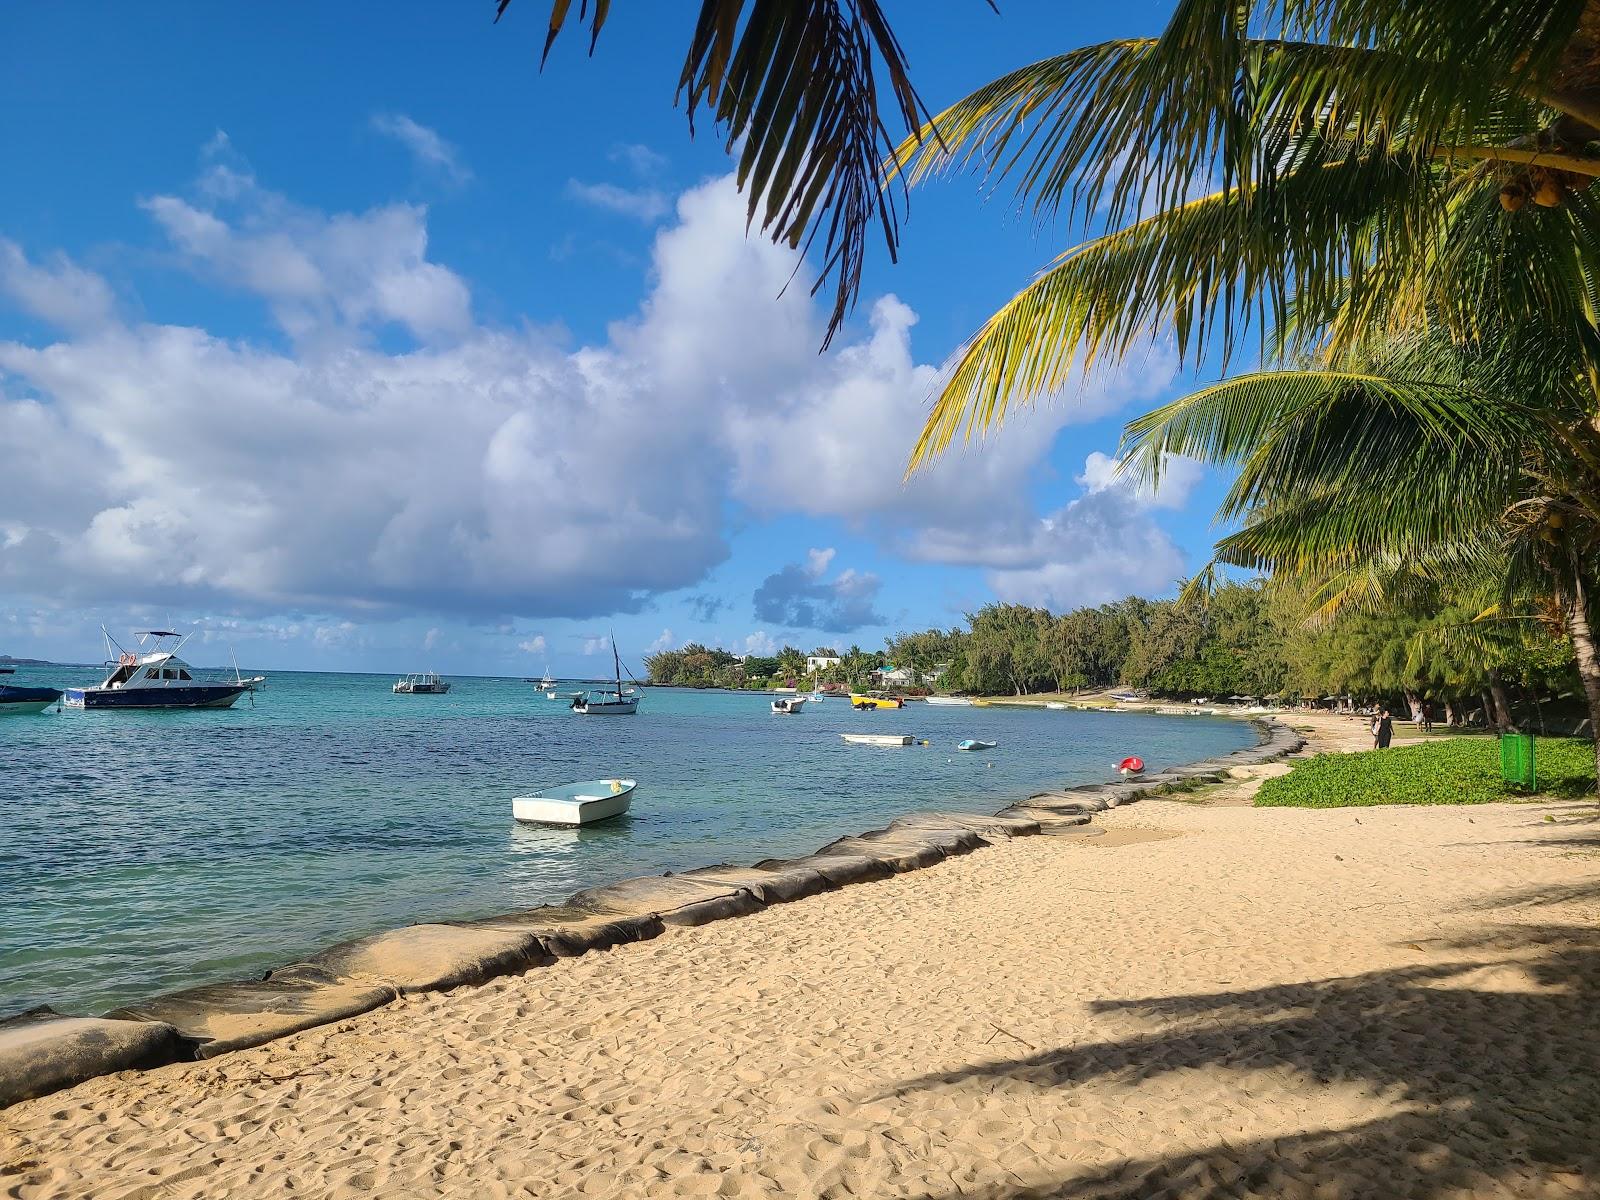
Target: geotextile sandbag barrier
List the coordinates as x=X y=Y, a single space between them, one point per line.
x=219 y=1017
x=676 y=899
x=567 y=932
x=948 y=836
x=777 y=884
x=840 y=870
x=899 y=854
x=42 y=1051
x=988 y=828
x=424 y=958
x=1048 y=820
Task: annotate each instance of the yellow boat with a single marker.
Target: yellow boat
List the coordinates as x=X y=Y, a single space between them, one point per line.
x=874 y=700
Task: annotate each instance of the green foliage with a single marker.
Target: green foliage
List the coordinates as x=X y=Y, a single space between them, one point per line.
x=1449 y=771
x=696 y=666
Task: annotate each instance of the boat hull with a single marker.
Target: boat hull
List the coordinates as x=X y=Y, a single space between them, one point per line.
x=26 y=699
x=576 y=804
x=877 y=739
x=950 y=700
x=857 y=701
x=608 y=708
x=200 y=695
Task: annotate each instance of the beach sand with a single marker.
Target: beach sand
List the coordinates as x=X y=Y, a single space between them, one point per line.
x=1280 y=1003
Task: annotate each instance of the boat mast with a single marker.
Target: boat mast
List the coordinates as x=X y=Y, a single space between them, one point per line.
x=617 y=661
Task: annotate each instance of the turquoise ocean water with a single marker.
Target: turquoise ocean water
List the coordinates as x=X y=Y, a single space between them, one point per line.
x=155 y=850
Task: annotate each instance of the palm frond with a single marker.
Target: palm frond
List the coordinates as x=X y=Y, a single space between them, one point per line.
x=1207 y=269
x=795 y=86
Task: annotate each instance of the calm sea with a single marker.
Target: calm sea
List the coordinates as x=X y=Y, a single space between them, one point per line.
x=149 y=851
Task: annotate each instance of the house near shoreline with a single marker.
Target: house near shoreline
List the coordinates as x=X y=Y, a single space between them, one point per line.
x=820 y=662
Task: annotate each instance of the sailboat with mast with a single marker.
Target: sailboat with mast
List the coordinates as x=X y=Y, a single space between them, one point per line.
x=614 y=702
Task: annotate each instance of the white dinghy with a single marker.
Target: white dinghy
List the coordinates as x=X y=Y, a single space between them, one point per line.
x=581 y=803
x=789 y=704
x=878 y=739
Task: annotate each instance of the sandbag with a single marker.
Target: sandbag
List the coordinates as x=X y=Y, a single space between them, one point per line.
x=989 y=828
x=678 y=900
x=567 y=932
x=42 y=1051
x=424 y=958
x=900 y=853
x=948 y=836
x=776 y=884
x=840 y=870
x=233 y=1016
x=1048 y=819
x=1064 y=803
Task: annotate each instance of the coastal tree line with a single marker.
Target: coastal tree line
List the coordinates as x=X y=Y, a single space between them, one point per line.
x=1237 y=639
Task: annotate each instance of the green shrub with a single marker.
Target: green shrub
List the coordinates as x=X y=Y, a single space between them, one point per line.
x=1450 y=771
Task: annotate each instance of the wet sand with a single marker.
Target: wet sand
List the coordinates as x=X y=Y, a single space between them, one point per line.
x=1335 y=1004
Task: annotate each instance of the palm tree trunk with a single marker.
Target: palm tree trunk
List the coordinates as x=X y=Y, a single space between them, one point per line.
x=1502 y=703
x=1574 y=603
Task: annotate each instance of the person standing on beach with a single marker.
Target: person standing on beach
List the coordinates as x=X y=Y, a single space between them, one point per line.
x=1384 y=729
x=1372 y=728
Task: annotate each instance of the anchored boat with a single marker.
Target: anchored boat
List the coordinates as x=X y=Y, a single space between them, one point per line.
x=865 y=700
x=789 y=704
x=878 y=739
x=425 y=684
x=157 y=678
x=576 y=803
x=976 y=744
x=17 y=699
x=612 y=702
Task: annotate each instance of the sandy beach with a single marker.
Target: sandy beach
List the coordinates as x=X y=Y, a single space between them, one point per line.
x=1185 y=1000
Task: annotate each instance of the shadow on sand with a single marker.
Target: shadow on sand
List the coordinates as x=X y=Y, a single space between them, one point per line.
x=1493 y=1065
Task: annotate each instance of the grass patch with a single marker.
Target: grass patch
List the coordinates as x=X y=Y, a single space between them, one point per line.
x=1449 y=771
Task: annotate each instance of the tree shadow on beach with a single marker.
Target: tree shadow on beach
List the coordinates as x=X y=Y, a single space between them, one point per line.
x=1493 y=1066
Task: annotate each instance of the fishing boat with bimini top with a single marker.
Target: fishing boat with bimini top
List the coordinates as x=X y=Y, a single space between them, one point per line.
x=426 y=684
x=153 y=676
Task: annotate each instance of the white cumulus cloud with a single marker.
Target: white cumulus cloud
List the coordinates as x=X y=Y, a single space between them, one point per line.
x=494 y=472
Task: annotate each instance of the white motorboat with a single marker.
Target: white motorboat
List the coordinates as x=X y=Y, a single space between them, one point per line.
x=156 y=678
x=425 y=684
x=951 y=700
x=789 y=705
x=976 y=744
x=816 y=697
x=609 y=702
x=575 y=803
x=878 y=739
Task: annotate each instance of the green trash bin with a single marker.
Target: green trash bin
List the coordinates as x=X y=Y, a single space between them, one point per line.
x=1516 y=761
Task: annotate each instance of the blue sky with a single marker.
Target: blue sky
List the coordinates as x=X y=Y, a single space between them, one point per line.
x=362 y=344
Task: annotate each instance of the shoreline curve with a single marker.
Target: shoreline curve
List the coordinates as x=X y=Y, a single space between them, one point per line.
x=43 y=1051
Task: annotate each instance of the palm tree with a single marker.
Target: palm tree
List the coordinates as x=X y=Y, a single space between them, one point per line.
x=1333 y=133
x=1413 y=460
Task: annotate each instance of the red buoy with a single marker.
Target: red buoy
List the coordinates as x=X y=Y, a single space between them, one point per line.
x=1131 y=765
